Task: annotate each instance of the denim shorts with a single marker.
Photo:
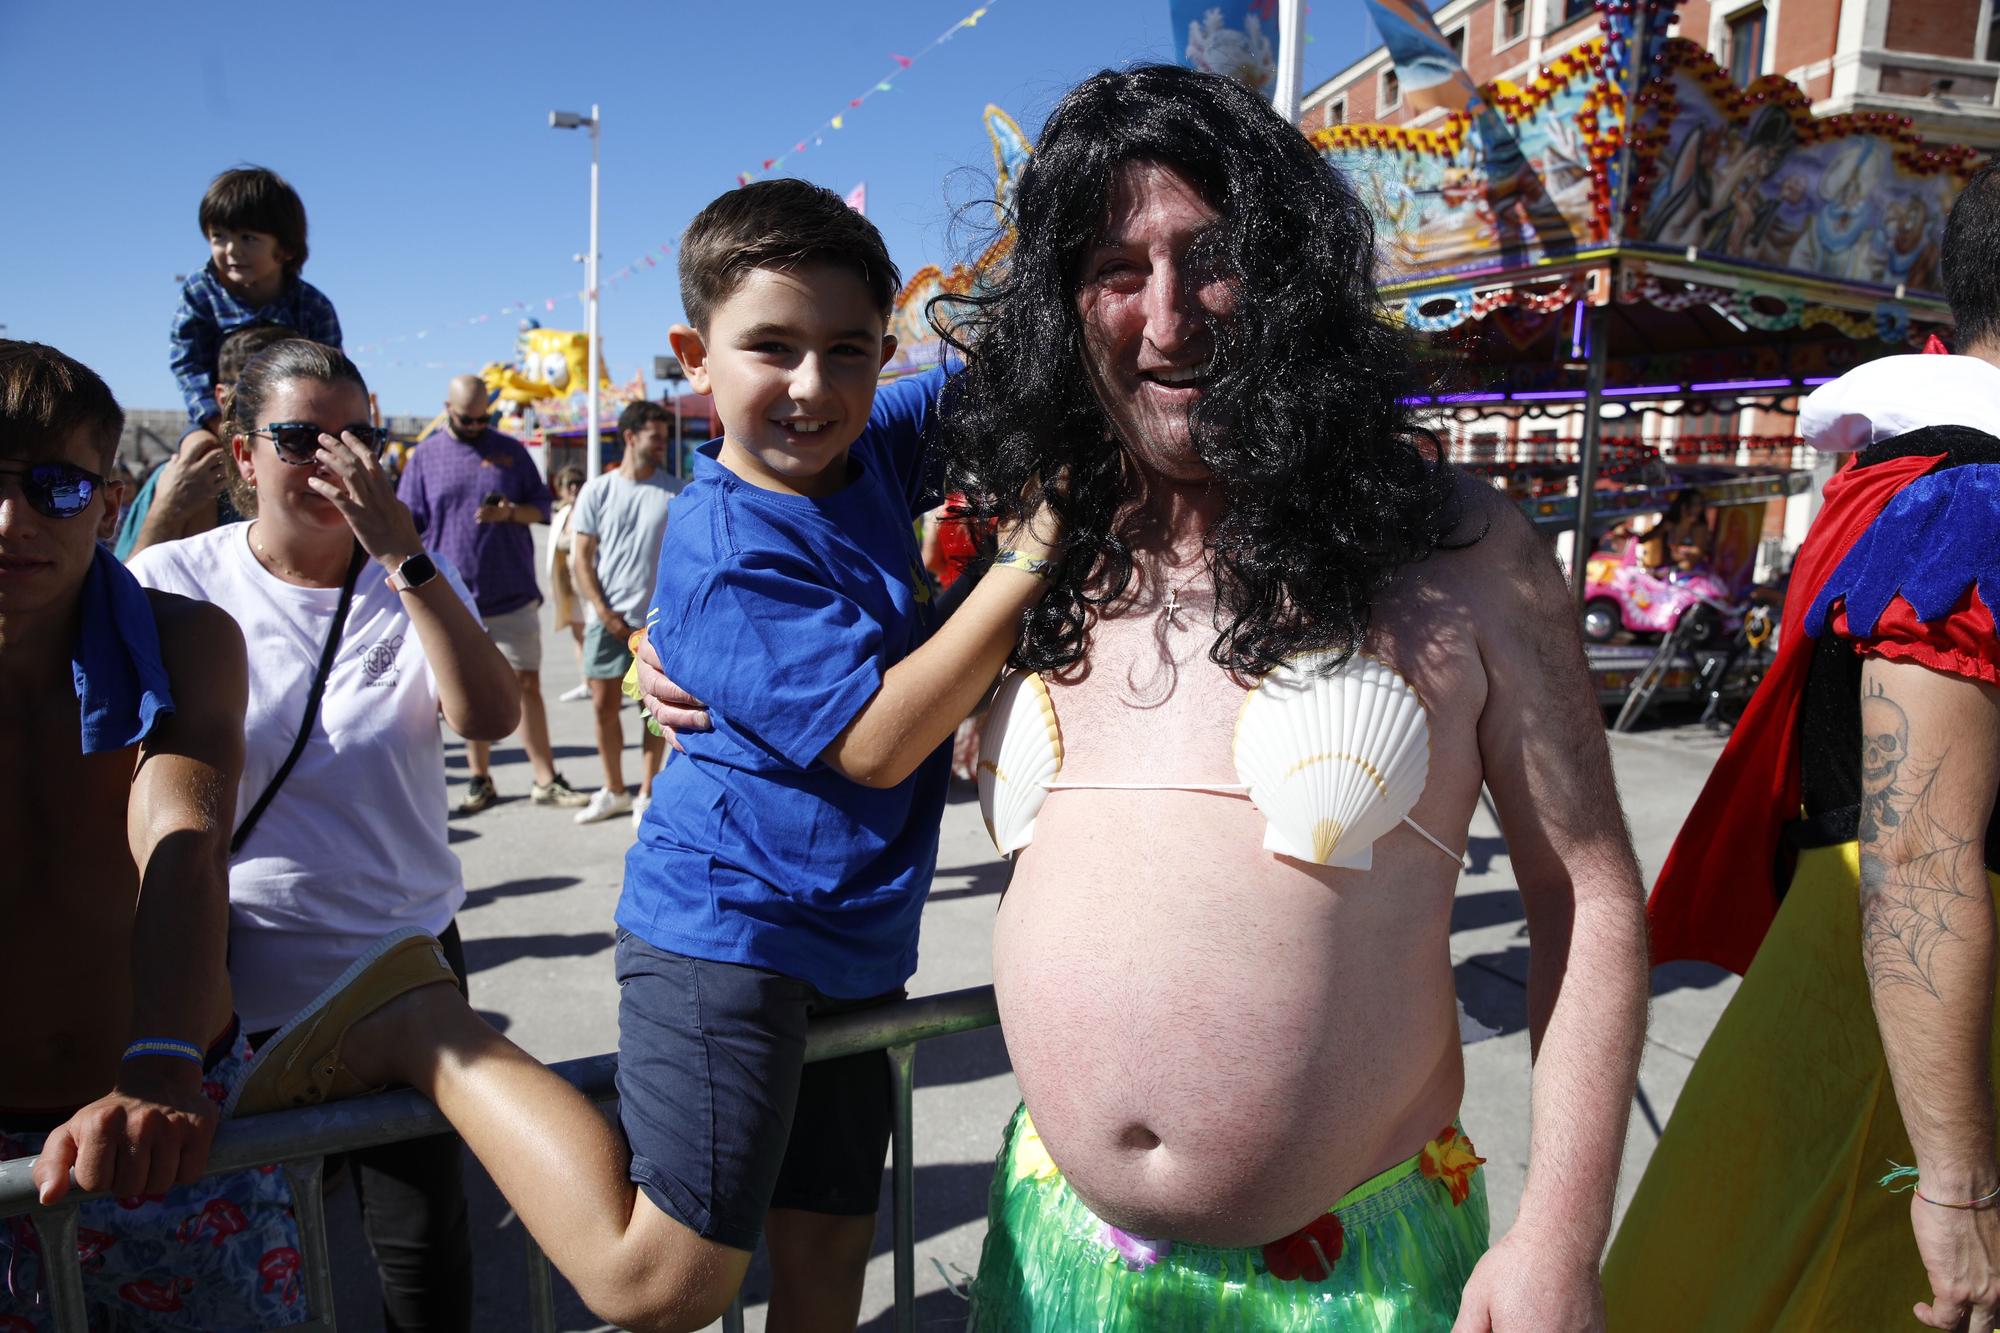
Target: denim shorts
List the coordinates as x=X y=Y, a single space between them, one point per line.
x=724 y=1117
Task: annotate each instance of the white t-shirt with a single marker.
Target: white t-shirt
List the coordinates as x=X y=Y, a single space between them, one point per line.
x=354 y=845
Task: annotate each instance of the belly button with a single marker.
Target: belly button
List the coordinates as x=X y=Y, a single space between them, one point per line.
x=1139 y=1137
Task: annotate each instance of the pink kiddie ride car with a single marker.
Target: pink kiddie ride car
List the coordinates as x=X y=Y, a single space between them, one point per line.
x=1620 y=592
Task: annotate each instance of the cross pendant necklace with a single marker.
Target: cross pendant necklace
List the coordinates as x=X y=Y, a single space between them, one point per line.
x=1173 y=607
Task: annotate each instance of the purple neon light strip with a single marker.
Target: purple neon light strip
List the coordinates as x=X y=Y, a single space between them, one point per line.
x=1722 y=386
x=1657 y=389
x=1465 y=398
x=1548 y=395
x=1817 y=380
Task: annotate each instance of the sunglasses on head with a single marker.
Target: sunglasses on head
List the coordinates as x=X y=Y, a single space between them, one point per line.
x=57 y=490
x=297 y=442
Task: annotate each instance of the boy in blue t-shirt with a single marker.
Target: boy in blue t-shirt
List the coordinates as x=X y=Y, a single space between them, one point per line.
x=781 y=869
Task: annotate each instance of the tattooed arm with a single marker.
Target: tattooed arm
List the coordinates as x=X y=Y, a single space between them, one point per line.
x=1930 y=769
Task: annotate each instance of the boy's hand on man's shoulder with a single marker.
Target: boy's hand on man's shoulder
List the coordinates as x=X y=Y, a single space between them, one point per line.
x=148 y=1134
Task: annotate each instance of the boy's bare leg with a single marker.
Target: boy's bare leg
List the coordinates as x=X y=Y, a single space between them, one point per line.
x=557 y=1160
x=818 y=1263
x=607 y=699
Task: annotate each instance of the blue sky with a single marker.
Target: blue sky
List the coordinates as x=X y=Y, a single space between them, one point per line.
x=417 y=134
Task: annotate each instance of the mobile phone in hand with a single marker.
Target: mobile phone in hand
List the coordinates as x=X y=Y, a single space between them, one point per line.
x=494 y=498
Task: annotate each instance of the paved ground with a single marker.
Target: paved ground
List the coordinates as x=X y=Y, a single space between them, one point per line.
x=537 y=927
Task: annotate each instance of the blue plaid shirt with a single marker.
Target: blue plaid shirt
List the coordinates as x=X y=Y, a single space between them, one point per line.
x=208 y=313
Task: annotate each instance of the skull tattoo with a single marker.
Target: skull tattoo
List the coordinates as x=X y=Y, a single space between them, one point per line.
x=1885 y=743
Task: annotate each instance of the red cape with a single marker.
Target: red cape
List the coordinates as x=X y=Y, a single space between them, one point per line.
x=1716 y=896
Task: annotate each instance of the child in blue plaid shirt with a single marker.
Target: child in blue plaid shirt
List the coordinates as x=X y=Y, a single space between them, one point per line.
x=256 y=230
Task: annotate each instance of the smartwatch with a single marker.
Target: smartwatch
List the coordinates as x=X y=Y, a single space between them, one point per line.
x=414 y=572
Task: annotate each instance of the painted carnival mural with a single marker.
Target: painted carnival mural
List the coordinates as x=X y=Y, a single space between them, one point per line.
x=1748 y=175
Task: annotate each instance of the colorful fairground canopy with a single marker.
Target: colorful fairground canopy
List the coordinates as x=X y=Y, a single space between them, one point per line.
x=1655 y=239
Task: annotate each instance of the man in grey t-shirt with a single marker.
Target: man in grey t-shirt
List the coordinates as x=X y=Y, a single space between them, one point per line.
x=614 y=552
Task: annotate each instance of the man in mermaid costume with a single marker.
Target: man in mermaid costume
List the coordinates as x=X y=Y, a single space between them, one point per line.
x=1222 y=962
x=1832 y=1160
x=1224 y=973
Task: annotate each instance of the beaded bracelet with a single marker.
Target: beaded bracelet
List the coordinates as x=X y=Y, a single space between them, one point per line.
x=1027 y=564
x=183 y=1050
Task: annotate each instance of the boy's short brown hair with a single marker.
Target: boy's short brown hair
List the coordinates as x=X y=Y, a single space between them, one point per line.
x=46 y=397
x=778 y=224
x=258 y=199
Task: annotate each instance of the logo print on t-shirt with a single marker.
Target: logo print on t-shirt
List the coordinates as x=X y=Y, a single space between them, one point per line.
x=378 y=664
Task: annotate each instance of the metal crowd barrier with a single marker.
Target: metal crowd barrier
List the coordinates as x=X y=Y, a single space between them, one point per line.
x=298 y=1140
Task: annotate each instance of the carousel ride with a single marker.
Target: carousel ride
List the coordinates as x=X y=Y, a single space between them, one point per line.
x=1609 y=264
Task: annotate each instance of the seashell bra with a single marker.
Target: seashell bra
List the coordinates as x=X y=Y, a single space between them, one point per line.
x=1333 y=761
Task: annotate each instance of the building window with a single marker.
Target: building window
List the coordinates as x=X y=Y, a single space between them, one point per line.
x=1336 y=111
x=1746 y=46
x=1457 y=39
x=1993 y=34
x=1576 y=9
x=1392 y=90
x=1513 y=20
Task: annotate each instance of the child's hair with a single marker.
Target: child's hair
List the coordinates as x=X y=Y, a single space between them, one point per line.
x=46 y=397
x=569 y=474
x=637 y=416
x=778 y=224
x=263 y=376
x=242 y=344
x=258 y=199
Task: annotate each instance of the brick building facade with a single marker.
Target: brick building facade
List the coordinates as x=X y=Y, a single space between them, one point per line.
x=1936 y=61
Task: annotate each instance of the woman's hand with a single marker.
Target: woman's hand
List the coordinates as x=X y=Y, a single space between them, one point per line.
x=361 y=491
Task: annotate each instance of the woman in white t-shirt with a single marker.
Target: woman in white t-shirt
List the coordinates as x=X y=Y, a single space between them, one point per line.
x=353 y=843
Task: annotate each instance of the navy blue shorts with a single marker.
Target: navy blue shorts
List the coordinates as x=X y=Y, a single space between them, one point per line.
x=724 y=1117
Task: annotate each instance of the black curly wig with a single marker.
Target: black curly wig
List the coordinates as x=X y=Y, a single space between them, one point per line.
x=1329 y=484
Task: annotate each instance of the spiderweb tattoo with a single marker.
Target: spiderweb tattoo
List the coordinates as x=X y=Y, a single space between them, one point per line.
x=1913 y=864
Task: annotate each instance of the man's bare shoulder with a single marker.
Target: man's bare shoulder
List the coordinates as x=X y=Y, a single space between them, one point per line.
x=1492 y=551
x=201 y=647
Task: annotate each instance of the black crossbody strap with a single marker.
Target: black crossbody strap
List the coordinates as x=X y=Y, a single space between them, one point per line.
x=326 y=656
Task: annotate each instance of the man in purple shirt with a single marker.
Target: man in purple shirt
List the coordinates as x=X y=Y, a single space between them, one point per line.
x=473 y=492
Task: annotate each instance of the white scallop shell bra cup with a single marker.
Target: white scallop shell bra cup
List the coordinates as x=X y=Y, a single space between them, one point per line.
x=1020 y=752
x=1334 y=761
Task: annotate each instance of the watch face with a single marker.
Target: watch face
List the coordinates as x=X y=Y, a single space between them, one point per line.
x=417 y=571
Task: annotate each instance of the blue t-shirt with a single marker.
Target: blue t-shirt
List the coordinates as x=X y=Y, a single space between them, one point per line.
x=782 y=613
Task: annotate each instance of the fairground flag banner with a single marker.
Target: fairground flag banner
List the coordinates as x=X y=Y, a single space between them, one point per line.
x=1237 y=38
x=1430 y=72
x=857 y=198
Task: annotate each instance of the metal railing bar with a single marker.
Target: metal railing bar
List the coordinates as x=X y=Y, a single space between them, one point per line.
x=299 y=1139
x=307 y=1179
x=541 y=1288
x=903 y=1210
x=60 y=1270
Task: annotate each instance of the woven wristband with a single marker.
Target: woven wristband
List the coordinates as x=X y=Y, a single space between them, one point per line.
x=1979 y=1202
x=1027 y=564
x=183 y=1050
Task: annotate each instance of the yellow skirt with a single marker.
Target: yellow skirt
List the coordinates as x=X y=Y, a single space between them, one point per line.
x=1760 y=1210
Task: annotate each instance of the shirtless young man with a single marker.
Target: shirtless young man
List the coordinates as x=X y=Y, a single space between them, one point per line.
x=122 y=1044
x=1243 y=1070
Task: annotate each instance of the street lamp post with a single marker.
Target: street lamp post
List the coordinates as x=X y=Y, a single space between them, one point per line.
x=593 y=439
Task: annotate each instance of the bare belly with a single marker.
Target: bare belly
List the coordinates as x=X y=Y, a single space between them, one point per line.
x=1215 y=1043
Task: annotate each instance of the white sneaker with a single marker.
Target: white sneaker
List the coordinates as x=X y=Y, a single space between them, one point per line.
x=577 y=693
x=639 y=805
x=604 y=804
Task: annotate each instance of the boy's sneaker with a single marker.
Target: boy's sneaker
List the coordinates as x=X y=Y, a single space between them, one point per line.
x=479 y=794
x=575 y=694
x=604 y=804
x=557 y=792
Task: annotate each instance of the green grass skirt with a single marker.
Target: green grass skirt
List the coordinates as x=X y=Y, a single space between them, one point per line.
x=1402 y=1256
